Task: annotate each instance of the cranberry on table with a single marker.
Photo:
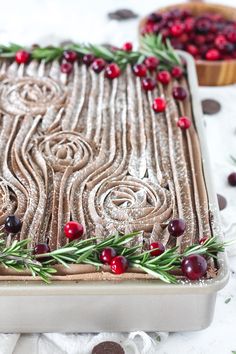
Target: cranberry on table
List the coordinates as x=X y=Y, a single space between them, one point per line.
x=22 y=56
x=112 y=71
x=88 y=59
x=70 y=56
x=119 y=265
x=148 y=83
x=98 y=65
x=164 y=77
x=176 y=227
x=232 y=179
x=151 y=63
x=66 y=67
x=73 y=230
x=157 y=247
x=107 y=255
x=140 y=70
x=13 y=224
x=184 y=123
x=177 y=72
x=194 y=266
x=127 y=47
x=159 y=104
x=179 y=93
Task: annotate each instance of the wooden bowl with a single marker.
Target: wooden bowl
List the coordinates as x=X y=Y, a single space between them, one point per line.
x=210 y=73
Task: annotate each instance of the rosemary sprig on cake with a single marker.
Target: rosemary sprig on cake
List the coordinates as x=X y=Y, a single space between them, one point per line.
x=113 y=251
x=151 y=45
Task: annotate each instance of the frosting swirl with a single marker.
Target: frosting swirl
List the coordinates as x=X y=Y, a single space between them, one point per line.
x=30 y=95
x=132 y=202
x=65 y=149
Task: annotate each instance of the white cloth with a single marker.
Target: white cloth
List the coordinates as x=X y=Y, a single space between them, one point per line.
x=49 y=22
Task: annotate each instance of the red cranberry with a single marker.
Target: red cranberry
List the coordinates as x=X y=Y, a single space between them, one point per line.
x=189 y=24
x=184 y=123
x=203 y=26
x=177 y=72
x=192 y=49
x=158 y=248
x=66 y=67
x=203 y=240
x=165 y=32
x=183 y=38
x=88 y=59
x=176 y=227
x=119 y=264
x=210 y=37
x=13 y=224
x=148 y=28
x=232 y=179
x=112 y=71
x=212 y=54
x=148 y=83
x=127 y=47
x=179 y=93
x=73 y=230
x=98 y=65
x=140 y=70
x=70 y=56
x=194 y=266
x=42 y=248
x=151 y=63
x=220 y=41
x=231 y=36
x=107 y=255
x=177 y=29
x=159 y=105
x=164 y=77
x=22 y=56
x=199 y=39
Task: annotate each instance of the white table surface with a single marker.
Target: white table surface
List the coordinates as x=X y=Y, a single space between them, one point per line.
x=51 y=21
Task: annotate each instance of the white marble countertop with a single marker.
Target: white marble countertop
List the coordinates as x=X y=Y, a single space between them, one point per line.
x=51 y=21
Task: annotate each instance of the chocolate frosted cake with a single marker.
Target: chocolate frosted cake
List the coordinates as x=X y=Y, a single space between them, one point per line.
x=115 y=151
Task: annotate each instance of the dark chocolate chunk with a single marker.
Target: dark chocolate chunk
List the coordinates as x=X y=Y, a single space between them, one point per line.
x=222 y=202
x=108 y=348
x=122 y=15
x=210 y=106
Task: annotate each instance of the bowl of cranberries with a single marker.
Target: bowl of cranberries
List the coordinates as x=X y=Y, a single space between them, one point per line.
x=206 y=31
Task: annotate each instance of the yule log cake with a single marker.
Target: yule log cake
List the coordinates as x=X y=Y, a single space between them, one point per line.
x=100 y=165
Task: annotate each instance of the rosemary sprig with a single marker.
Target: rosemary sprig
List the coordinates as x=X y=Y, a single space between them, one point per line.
x=154 y=45
x=150 y=45
x=19 y=257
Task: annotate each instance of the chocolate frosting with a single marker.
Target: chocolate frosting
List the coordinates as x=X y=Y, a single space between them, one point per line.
x=85 y=148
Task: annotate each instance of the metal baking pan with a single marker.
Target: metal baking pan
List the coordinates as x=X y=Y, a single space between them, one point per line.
x=119 y=306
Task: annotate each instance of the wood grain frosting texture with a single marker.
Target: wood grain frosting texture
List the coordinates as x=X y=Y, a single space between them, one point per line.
x=85 y=148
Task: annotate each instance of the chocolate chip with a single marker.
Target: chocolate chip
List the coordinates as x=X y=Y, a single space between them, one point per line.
x=222 y=202
x=108 y=348
x=122 y=15
x=210 y=106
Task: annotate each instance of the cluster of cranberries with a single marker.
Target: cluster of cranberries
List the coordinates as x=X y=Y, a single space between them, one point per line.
x=194 y=266
x=208 y=36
